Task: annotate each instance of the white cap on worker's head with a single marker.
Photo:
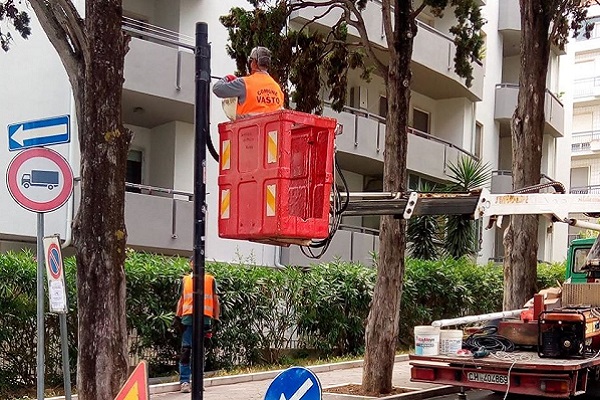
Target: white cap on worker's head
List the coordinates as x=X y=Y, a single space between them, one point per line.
x=262 y=55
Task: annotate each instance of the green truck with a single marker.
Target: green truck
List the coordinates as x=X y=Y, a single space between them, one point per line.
x=578 y=251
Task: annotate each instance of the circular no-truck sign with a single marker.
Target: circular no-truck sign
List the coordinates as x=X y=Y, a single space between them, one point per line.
x=54 y=261
x=39 y=179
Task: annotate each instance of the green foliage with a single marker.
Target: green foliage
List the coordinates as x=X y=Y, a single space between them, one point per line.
x=337 y=296
x=424 y=233
x=467 y=33
x=312 y=62
x=265 y=311
x=461 y=235
x=18 y=19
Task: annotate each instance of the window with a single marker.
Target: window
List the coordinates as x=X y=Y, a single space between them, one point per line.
x=421 y=120
x=478 y=141
x=134 y=169
x=383 y=106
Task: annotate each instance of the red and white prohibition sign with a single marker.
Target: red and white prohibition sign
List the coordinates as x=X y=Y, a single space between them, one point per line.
x=39 y=179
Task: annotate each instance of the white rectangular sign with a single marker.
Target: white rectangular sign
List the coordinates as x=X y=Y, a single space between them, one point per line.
x=55 y=273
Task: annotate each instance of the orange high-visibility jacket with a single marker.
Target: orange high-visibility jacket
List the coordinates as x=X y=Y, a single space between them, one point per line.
x=185 y=306
x=263 y=95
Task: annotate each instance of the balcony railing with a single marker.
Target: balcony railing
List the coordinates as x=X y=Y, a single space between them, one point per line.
x=502 y=181
x=582 y=141
x=156 y=218
x=356 y=112
x=587 y=87
x=507 y=95
x=350 y=243
x=156 y=34
x=591 y=189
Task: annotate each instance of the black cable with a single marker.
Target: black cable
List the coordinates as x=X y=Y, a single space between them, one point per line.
x=336 y=216
x=487 y=339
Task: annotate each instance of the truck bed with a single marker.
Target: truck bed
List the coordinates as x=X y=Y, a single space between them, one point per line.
x=520 y=372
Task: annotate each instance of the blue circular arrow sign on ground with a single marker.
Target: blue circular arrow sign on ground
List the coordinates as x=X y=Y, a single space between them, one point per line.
x=295 y=383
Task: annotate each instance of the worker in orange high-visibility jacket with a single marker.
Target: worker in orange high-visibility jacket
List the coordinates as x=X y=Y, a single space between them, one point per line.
x=256 y=93
x=185 y=308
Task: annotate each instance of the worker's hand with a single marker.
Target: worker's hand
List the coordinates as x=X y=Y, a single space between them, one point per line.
x=230 y=78
x=177 y=325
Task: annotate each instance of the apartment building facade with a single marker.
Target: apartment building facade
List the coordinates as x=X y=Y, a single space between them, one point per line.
x=448 y=121
x=585 y=144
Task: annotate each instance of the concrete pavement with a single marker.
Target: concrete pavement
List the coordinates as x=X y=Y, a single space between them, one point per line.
x=254 y=386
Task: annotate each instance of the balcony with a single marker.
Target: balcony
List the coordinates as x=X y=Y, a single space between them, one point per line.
x=159 y=75
x=433 y=53
x=157 y=219
x=506 y=103
x=350 y=243
x=585 y=142
x=586 y=89
x=362 y=143
x=502 y=182
x=509 y=16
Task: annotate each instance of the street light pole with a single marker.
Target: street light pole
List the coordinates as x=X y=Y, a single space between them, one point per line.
x=202 y=111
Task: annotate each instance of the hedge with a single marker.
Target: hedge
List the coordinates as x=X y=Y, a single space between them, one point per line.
x=264 y=311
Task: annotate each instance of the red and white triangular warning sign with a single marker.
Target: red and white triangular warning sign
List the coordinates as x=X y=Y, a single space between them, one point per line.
x=136 y=387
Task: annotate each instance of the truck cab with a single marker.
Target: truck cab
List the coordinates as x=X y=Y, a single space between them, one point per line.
x=578 y=251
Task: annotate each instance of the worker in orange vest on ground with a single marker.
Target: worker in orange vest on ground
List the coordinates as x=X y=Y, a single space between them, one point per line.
x=256 y=93
x=185 y=307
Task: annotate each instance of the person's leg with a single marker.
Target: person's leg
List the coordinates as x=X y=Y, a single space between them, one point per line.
x=186 y=354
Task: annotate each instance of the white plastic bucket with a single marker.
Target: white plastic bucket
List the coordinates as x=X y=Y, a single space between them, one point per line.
x=427 y=340
x=450 y=341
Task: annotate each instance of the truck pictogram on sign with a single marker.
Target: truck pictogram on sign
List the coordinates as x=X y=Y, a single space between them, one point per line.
x=36 y=177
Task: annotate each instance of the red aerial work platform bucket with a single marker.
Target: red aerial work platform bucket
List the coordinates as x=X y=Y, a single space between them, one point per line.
x=275 y=177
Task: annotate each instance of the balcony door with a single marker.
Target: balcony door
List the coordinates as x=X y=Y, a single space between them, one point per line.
x=580 y=177
x=421 y=120
x=134 y=169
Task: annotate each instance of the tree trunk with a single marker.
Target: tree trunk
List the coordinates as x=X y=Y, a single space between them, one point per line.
x=99 y=227
x=381 y=334
x=527 y=128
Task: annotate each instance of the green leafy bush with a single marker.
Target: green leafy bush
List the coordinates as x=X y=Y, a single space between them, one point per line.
x=265 y=311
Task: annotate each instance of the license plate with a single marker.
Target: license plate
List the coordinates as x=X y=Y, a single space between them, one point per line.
x=495 y=379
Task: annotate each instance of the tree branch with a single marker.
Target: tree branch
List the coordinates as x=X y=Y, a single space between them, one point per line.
x=359 y=25
x=60 y=38
x=386 y=15
x=299 y=5
x=331 y=8
x=416 y=12
x=75 y=25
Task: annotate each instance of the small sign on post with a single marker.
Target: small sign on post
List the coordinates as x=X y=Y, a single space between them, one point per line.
x=55 y=273
x=41 y=132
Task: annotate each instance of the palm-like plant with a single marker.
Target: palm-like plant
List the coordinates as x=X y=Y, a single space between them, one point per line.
x=424 y=233
x=467 y=174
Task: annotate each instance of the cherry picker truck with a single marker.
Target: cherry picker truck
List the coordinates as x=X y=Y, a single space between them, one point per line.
x=561 y=347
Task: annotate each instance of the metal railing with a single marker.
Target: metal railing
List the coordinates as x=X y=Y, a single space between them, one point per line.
x=359 y=229
x=586 y=87
x=582 y=140
x=357 y=112
x=153 y=190
x=156 y=33
x=591 y=189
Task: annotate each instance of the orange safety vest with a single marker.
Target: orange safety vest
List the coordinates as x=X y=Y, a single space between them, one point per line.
x=263 y=95
x=186 y=303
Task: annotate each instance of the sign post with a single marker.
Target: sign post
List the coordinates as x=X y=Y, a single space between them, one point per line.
x=202 y=113
x=57 y=293
x=40 y=180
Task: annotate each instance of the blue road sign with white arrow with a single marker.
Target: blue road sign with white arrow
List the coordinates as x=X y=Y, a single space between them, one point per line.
x=296 y=383
x=41 y=132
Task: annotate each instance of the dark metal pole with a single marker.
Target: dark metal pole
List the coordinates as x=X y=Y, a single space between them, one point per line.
x=201 y=133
